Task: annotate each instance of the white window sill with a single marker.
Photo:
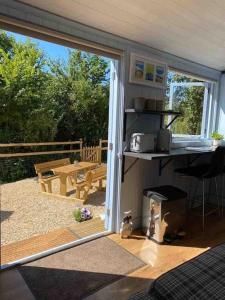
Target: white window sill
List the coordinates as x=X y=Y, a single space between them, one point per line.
x=176 y=143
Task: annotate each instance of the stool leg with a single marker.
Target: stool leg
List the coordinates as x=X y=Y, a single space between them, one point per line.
x=209 y=190
x=203 y=205
x=188 y=200
x=222 y=204
x=217 y=196
x=195 y=194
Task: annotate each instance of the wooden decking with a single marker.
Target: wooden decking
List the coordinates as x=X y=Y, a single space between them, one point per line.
x=40 y=243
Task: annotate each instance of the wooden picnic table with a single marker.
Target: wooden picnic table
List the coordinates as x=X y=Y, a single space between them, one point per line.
x=71 y=170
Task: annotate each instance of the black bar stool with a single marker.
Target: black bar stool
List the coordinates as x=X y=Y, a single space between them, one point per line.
x=223 y=184
x=207 y=171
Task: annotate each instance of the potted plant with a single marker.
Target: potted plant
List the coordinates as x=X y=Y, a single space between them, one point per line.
x=217 y=138
x=82 y=214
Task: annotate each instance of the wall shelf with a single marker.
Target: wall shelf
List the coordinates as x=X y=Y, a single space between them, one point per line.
x=174 y=153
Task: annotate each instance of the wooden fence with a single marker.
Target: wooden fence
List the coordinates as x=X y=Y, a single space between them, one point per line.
x=78 y=144
x=17 y=159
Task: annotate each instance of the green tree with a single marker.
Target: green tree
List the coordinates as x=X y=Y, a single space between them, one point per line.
x=6 y=42
x=42 y=99
x=26 y=110
x=81 y=90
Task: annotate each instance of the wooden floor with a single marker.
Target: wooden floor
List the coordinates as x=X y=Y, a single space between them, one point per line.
x=162 y=258
x=158 y=258
x=40 y=243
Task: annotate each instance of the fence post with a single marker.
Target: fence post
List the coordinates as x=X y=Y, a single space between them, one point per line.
x=81 y=148
x=100 y=151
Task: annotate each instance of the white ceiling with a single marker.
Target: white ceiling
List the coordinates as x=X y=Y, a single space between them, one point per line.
x=192 y=29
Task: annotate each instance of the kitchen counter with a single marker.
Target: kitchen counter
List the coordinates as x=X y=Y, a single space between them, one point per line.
x=173 y=153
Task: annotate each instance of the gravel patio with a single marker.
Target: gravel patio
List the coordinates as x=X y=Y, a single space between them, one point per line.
x=26 y=212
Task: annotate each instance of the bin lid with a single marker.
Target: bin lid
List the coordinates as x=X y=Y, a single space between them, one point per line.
x=165 y=192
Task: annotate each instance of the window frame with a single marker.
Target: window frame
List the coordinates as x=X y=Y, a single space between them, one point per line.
x=209 y=108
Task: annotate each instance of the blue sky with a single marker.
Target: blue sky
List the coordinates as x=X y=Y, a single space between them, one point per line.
x=53 y=50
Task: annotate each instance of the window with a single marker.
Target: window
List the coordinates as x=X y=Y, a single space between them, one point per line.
x=191 y=97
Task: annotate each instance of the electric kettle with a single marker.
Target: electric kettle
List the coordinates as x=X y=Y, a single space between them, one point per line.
x=164 y=139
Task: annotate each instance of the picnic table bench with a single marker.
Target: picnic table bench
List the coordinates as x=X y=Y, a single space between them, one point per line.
x=71 y=171
x=62 y=169
x=92 y=176
x=43 y=171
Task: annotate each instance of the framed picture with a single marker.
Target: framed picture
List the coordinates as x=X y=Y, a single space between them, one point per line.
x=147 y=71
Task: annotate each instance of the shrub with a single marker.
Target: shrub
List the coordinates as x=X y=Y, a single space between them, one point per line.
x=217 y=136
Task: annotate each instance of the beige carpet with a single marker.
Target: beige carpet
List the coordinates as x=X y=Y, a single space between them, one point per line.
x=80 y=271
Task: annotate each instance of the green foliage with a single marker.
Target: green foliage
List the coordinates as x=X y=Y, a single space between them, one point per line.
x=189 y=101
x=217 y=136
x=25 y=108
x=6 y=43
x=44 y=100
x=81 y=90
x=77 y=215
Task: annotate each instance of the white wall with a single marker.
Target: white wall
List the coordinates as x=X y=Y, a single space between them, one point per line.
x=143 y=174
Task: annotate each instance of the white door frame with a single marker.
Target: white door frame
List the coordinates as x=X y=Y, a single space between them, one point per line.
x=114 y=162
x=114 y=166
